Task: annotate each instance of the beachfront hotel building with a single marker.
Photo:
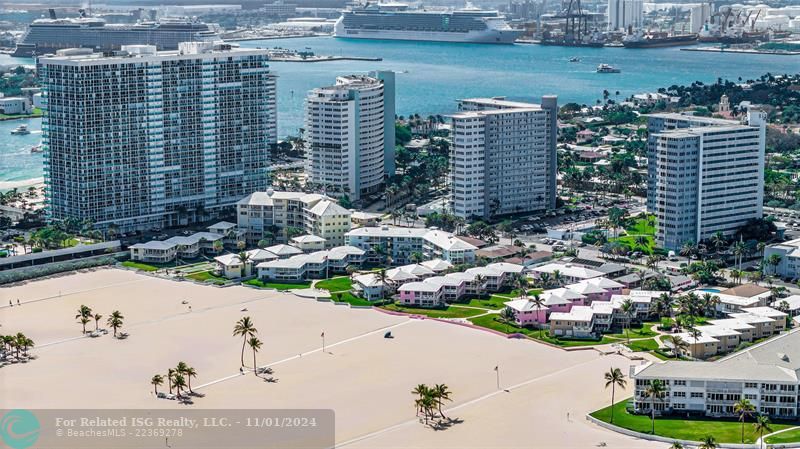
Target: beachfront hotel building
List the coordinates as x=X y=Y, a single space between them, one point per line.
x=705 y=175
x=767 y=374
x=503 y=157
x=143 y=139
x=350 y=134
x=272 y=215
x=399 y=244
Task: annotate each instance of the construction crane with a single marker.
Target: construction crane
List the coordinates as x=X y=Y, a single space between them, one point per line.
x=576 y=25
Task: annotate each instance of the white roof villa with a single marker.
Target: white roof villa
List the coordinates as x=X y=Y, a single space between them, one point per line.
x=572 y=273
x=452 y=286
x=283 y=251
x=793 y=302
x=162 y=251
x=437 y=265
x=403 y=242
x=316 y=264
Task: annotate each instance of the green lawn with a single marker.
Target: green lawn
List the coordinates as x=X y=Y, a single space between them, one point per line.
x=643 y=345
x=693 y=429
x=340 y=284
x=637 y=332
x=35 y=113
x=494 y=322
x=278 y=285
x=207 y=276
x=791 y=436
x=350 y=298
x=139 y=266
x=641 y=227
x=449 y=312
x=493 y=302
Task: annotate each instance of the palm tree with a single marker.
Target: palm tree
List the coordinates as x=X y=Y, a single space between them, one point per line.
x=84 y=322
x=627 y=308
x=170 y=378
x=244 y=328
x=189 y=373
x=243 y=258
x=115 y=321
x=157 y=381
x=441 y=393
x=421 y=390
x=255 y=345
x=614 y=378
x=538 y=301
x=508 y=315
x=655 y=391
x=179 y=382
x=708 y=442
x=382 y=277
x=762 y=425
x=84 y=312
x=744 y=408
x=677 y=344
x=97 y=317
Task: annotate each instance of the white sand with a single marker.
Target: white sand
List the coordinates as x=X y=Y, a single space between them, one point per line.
x=366 y=379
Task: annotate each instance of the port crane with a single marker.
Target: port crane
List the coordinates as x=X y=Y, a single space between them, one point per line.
x=576 y=22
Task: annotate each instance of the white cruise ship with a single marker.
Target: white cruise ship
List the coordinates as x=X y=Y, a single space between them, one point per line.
x=396 y=21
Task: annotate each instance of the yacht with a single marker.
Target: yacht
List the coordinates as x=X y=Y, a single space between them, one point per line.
x=21 y=130
x=605 y=68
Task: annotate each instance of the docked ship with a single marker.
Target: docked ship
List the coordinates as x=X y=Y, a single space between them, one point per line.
x=395 y=21
x=45 y=36
x=657 y=39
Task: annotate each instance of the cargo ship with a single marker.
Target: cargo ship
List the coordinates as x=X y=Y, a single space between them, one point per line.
x=658 y=39
x=395 y=21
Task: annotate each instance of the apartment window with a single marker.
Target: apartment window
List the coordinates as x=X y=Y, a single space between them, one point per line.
x=697 y=394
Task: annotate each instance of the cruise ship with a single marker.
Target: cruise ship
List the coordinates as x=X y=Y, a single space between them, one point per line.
x=396 y=21
x=49 y=35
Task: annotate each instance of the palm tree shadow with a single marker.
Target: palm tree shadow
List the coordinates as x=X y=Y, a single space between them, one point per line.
x=445 y=424
x=271 y=380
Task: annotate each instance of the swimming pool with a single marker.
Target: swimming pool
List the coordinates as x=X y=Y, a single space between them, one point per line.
x=712 y=290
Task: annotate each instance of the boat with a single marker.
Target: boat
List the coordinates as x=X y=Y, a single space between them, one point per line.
x=605 y=68
x=575 y=59
x=36 y=149
x=21 y=130
x=395 y=21
x=49 y=35
x=657 y=39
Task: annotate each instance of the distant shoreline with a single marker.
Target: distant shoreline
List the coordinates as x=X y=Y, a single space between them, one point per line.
x=21 y=184
x=749 y=51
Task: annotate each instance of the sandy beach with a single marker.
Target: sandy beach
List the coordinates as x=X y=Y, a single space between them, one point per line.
x=365 y=378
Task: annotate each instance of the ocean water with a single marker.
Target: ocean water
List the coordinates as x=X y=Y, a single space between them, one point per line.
x=18 y=166
x=431 y=76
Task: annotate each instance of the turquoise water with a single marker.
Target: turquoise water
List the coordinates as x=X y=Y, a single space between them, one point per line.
x=710 y=290
x=18 y=166
x=432 y=76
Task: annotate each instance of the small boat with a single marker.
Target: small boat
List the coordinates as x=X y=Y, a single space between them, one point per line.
x=36 y=149
x=575 y=59
x=605 y=68
x=21 y=130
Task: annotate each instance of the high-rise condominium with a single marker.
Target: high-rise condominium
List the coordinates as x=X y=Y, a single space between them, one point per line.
x=705 y=175
x=350 y=134
x=144 y=139
x=503 y=157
